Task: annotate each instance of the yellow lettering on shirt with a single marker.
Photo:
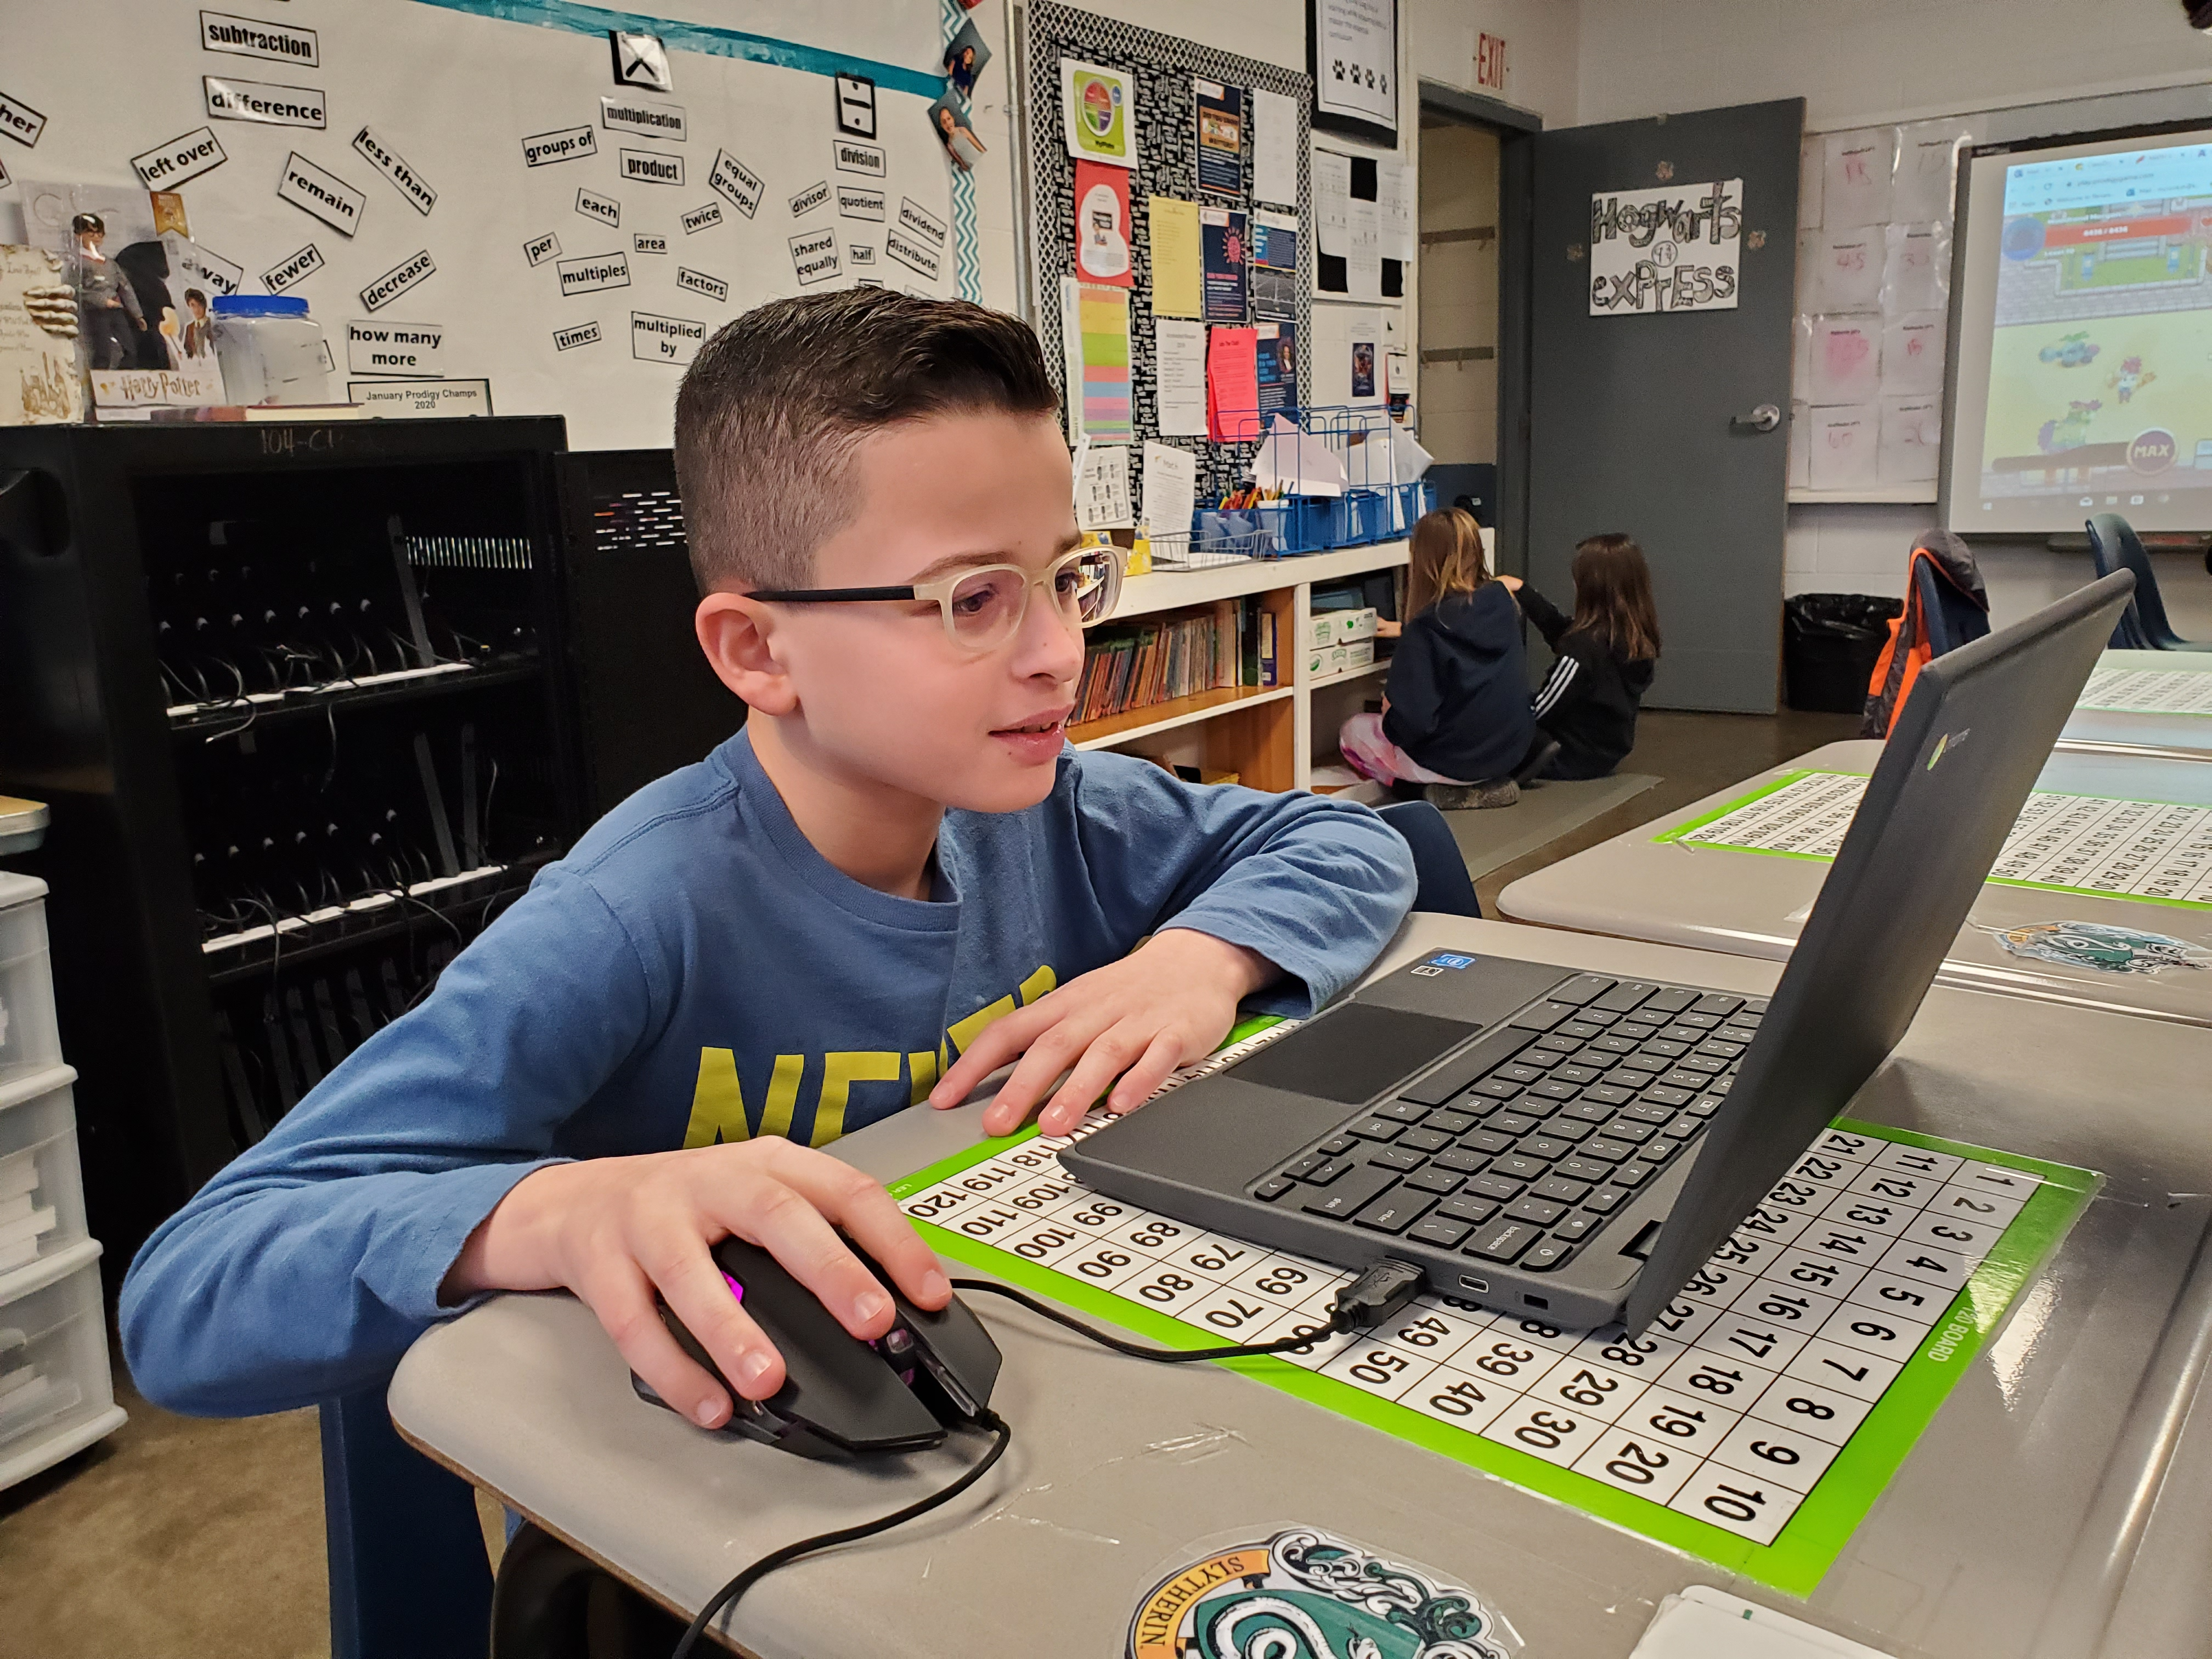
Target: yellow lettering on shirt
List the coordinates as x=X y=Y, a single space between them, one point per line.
x=783 y=1094
x=1038 y=984
x=718 y=1101
x=970 y=1029
x=922 y=1066
x=840 y=1071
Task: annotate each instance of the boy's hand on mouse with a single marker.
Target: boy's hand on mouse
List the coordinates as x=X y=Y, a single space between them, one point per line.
x=1165 y=1004
x=615 y=1230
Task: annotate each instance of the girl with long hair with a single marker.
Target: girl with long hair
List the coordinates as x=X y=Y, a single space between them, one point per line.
x=1455 y=717
x=1606 y=652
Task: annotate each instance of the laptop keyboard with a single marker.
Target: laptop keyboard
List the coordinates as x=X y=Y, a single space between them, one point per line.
x=1521 y=1147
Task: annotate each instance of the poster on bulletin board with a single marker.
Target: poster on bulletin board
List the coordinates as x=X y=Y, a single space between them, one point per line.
x=1352 y=53
x=1098 y=111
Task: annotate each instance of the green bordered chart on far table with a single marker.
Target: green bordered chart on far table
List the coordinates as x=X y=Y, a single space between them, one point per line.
x=2151 y=852
x=1754 y=1425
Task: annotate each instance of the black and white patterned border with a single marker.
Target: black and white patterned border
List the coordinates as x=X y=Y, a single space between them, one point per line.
x=1161 y=66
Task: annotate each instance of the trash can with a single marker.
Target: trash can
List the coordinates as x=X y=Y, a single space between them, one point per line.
x=1829 y=645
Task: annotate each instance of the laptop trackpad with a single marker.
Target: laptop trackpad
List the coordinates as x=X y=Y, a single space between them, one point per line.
x=1354 y=1052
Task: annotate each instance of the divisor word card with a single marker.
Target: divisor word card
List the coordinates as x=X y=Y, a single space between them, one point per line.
x=2157 y=852
x=1754 y=1425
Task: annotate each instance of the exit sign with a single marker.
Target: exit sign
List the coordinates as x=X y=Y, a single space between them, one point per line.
x=1490 y=62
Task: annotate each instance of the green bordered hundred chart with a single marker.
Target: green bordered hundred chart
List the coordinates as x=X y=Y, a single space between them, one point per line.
x=2152 y=852
x=1752 y=1426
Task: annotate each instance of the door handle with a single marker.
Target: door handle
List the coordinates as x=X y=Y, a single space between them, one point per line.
x=1764 y=418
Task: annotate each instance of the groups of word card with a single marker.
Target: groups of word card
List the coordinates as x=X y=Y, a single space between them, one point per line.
x=1728 y=1409
x=2128 y=849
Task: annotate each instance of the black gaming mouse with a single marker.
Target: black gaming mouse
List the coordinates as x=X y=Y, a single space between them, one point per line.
x=842 y=1397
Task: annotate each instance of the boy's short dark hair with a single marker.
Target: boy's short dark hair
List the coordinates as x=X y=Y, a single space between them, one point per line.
x=770 y=409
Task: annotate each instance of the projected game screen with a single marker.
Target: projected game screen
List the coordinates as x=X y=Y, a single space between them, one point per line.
x=2083 y=367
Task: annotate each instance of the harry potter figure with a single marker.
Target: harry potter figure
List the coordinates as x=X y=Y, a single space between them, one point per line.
x=112 y=318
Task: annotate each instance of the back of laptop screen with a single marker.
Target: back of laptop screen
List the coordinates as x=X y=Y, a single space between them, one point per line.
x=1958 y=765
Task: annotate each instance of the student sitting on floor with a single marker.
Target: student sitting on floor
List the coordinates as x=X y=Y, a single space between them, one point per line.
x=1455 y=716
x=1588 y=703
x=897 y=878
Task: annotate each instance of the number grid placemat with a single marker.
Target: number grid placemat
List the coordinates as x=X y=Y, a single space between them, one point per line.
x=2148 y=691
x=1752 y=1426
x=2100 y=846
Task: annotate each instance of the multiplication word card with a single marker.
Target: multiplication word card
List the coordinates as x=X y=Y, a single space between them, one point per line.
x=2160 y=852
x=1753 y=1425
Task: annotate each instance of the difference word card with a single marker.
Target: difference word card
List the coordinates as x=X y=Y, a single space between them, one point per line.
x=1754 y=1425
x=2158 y=852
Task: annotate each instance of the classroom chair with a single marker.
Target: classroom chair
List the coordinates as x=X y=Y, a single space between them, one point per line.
x=409 y=1574
x=2114 y=545
x=1442 y=883
x=552 y=1603
x=1945 y=606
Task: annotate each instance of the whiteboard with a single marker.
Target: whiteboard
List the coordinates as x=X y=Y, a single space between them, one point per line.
x=451 y=91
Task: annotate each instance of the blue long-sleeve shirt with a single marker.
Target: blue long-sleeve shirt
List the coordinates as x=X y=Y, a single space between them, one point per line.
x=695 y=971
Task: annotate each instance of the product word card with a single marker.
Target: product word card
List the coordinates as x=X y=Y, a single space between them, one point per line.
x=2160 y=852
x=1753 y=1425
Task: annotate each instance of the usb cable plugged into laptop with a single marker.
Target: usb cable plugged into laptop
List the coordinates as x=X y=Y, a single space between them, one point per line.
x=1380 y=1291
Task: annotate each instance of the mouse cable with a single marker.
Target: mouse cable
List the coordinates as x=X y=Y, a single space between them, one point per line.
x=727 y=1596
x=1380 y=1291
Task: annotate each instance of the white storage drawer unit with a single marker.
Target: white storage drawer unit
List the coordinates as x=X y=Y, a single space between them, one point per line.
x=28 y=1040
x=55 y=1396
x=42 y=1191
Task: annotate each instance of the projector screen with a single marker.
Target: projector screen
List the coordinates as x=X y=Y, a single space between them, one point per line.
x=2081 y=367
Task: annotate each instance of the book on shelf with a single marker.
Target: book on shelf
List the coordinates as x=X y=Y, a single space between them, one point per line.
x=1138 y=664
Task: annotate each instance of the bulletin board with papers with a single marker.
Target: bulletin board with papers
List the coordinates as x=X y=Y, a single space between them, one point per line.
x=1874 y=271
x=1171 y=214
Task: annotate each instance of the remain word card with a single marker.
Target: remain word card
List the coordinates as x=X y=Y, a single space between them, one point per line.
x=2160 y=852
x=1754 y=1425
x=2148 y=691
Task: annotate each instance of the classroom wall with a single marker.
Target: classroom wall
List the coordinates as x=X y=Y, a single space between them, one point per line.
x=1860 y=62
x=1541 y=39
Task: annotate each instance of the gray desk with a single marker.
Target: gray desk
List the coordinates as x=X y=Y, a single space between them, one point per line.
x=1715 y=898
x=2182 y=737
x=2055 y=1508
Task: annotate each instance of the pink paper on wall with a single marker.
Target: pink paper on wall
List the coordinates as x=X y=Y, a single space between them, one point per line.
x=1846 y=359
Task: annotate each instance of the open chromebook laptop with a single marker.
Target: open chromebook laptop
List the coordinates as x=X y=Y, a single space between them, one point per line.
x=1537 y=1137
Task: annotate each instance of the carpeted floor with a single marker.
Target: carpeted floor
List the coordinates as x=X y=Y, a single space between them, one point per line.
x=183 y=1537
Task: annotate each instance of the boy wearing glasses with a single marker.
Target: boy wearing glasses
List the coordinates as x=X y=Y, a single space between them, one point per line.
x=895 y=879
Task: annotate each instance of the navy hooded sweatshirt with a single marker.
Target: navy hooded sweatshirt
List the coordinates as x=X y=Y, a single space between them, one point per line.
x=1459 y=687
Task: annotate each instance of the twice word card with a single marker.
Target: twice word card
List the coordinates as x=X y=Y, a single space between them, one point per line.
x=1753 y=1425
x=2156 y=851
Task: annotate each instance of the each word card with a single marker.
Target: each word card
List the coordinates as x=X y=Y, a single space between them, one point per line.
x=1754 y=1425
x=2160 y=851
x=2148 y=691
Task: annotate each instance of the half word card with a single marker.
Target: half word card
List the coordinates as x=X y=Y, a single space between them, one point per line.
x=2155 y=852
x=1754 y=1425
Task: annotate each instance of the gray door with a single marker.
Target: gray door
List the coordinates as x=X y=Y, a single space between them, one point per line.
x=1640 y=421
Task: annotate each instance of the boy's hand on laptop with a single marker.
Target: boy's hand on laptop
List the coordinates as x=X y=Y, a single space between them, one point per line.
x=615 y=1230
x=1165 y=1004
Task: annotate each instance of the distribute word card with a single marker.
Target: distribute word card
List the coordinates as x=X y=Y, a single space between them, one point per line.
x=2160 y=852
x=1753 y=1425
x=2148 y=691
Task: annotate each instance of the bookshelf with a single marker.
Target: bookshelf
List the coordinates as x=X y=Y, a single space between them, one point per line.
x=1267 y=736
